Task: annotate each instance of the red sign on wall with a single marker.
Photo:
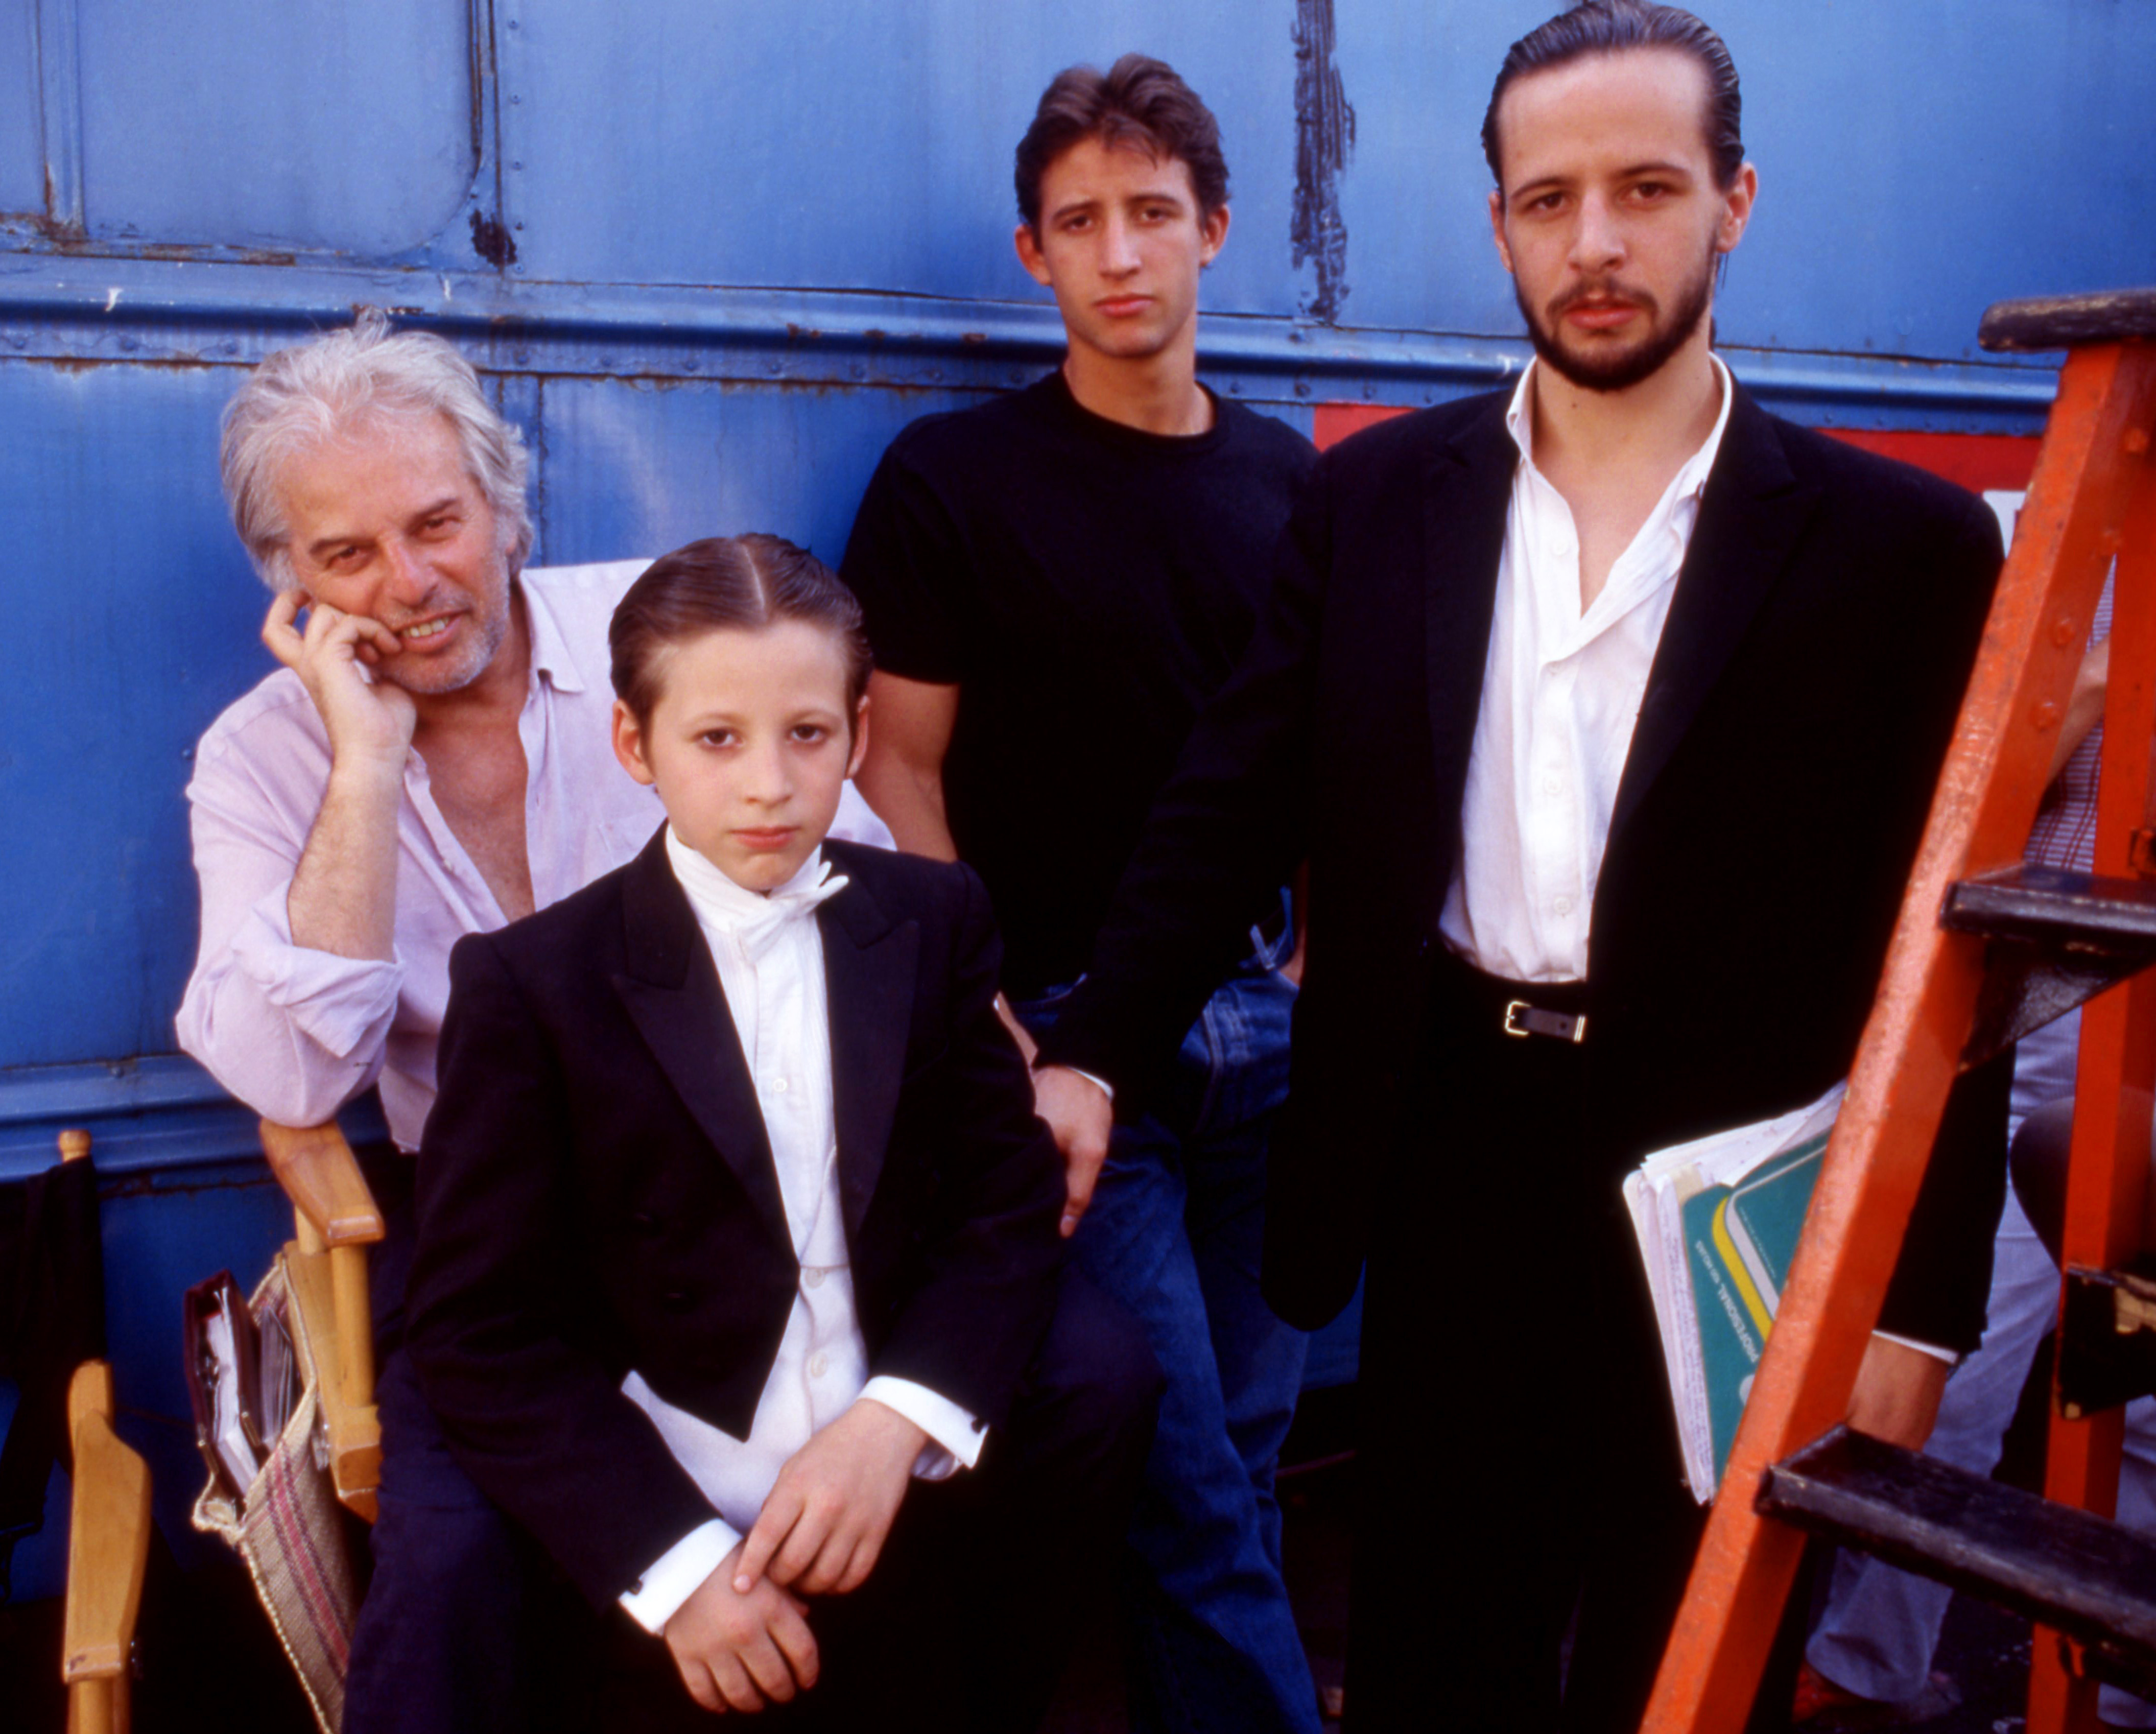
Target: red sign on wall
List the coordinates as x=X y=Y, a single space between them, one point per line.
x=1982 y=463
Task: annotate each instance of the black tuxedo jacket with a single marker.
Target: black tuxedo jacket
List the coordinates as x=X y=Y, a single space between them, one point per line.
x=596 y=1192
x=1800 y=701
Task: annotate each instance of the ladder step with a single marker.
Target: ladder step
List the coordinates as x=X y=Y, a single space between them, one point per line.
x=2062 y=1567
x=2059 y=939
x=2079 y=912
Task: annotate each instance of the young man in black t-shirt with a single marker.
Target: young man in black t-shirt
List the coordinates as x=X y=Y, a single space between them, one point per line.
x=1056 y=581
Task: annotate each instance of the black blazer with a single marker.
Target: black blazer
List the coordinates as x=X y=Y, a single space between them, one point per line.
x=1800 y=703
x=596 y=1192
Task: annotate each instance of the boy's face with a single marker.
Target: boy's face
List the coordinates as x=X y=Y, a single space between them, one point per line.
x=749 y=746
x=1121 y=243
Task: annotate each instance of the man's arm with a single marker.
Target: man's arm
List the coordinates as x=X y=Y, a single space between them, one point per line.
x=295 y=986
x=902 y=777
x=344 y=890
x=903 y=780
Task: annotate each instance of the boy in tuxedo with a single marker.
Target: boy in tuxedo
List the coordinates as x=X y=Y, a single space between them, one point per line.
x=736 y=1222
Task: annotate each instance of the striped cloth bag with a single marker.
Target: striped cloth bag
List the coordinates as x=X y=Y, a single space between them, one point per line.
x=290 y=1531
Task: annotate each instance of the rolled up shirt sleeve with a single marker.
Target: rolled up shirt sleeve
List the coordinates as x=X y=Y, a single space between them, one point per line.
x=293 y=1033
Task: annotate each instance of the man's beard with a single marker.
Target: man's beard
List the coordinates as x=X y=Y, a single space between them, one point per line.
x=1627 y=368
x=486 y=623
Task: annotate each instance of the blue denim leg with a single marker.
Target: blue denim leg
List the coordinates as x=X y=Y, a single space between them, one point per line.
x=1174 y=1233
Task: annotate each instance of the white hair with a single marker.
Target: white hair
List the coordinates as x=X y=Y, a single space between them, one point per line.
x=300 y=397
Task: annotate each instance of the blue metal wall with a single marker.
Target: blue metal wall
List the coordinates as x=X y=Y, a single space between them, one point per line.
x=713 y=255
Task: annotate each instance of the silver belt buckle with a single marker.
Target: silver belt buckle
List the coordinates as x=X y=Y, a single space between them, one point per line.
x=1562 y=1025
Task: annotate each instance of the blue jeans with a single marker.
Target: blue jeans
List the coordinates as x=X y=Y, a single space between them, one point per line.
x=1174 y=1233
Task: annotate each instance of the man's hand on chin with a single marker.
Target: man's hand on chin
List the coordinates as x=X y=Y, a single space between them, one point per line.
x=1897 y=1394
x=366 y=719
x=1080 y=1115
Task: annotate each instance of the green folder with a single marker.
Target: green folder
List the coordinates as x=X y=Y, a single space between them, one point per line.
x=1740 y=1240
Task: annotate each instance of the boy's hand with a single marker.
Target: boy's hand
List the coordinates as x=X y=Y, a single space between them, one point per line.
x=735 y=1651
x=820 y=1531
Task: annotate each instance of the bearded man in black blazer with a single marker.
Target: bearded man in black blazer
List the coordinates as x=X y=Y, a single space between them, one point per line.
x=1606 y=712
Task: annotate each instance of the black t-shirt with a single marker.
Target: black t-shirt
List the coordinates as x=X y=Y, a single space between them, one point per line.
x=1087 y=587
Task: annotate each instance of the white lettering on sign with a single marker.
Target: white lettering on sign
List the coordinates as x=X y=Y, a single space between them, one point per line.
x=2005 y=504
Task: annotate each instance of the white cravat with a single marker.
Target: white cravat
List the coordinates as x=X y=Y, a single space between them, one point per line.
x=769 y=953
x=1561 y=690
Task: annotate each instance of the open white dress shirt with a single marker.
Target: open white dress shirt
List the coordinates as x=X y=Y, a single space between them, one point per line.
x=769 y=951
x=1561 y=689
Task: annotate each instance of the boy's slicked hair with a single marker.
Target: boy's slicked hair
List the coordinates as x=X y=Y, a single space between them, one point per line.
x=742 y=581
x=1609 y=27
x=1140 y=102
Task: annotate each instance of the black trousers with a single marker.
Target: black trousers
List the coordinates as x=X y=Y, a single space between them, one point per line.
x=965 y=1622
x=1518 y=1467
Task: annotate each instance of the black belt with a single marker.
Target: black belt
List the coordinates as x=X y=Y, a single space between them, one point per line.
x=1464 y=997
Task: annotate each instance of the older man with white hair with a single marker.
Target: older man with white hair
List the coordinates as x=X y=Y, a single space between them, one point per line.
x=433 y=760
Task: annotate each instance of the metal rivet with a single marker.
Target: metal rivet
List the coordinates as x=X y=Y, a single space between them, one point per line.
x=2062 y=631
x=2046 y=715
x=2136 y=440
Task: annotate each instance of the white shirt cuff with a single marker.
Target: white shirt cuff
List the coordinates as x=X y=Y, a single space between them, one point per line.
x=344 y=1005
x=677 y=1574
x=956 y=1436
x=1932 y=1349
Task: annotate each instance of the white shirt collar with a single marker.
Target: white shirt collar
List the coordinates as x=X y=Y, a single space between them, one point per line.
x=723 y=904
x=1689 y=480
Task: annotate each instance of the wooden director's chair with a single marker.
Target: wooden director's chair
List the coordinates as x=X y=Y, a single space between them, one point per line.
x=108 y=1530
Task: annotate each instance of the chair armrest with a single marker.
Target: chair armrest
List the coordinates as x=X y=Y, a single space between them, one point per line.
x=321 y=1176
x=339 y=1334
x=108 y=1537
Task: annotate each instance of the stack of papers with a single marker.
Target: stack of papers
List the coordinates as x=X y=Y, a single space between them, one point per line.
x=1718 y=1221
x=243 y=1380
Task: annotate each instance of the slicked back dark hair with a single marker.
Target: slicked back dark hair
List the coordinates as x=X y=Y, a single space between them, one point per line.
x=1609 y=27
x=1138 y=101
x=741 y=582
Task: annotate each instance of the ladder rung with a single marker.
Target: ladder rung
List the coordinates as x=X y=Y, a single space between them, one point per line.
x=2045 y=906
x=2043 y=322
x=2062 y=1567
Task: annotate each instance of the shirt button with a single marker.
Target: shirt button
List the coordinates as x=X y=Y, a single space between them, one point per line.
x=813 y=1278
x=817 y=1366
x=1551 y=786
x=1563 y=905
x=778 y=1084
